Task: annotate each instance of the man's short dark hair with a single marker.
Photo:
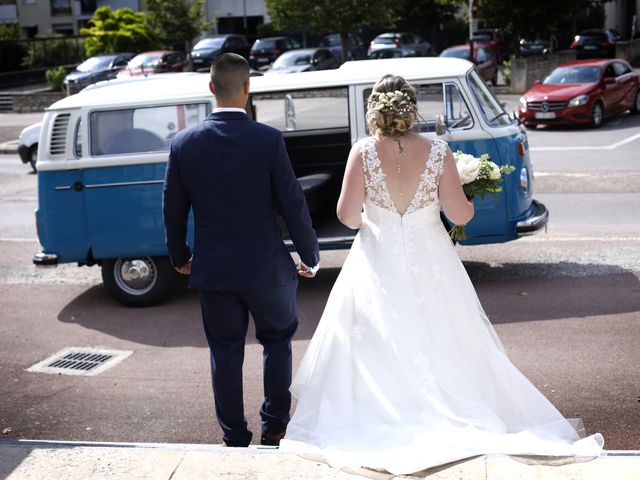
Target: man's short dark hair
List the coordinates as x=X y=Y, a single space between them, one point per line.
x=229 y=71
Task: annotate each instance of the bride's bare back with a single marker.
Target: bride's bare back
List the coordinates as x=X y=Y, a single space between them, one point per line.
x=412 y=177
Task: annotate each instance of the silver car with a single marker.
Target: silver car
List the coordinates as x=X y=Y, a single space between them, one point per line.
x=408 y=40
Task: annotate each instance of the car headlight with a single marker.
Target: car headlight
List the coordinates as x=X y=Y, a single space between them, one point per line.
x=579 y=100
x=523 y=103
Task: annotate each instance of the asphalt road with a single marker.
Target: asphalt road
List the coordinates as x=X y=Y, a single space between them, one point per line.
x=566 y=304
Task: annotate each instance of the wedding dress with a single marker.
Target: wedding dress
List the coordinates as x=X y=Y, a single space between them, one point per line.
x=404 y=371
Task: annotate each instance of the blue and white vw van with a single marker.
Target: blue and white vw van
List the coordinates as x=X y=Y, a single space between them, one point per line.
x=103 y=155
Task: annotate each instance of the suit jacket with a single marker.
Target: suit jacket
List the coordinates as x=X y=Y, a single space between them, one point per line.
x=235 y=174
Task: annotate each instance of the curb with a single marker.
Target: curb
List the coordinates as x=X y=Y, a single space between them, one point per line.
x=9 y=148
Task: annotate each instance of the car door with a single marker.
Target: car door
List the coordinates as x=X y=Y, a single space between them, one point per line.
x=612 y=90
x=627 y=84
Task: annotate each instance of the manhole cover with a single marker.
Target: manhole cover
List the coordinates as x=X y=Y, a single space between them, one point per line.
x=80 y=361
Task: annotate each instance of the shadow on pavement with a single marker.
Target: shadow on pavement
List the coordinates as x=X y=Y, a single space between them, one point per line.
x=509 y=293
x=13 y=454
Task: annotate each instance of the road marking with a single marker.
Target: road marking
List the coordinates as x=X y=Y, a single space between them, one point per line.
x=564 y=174
x=613 y=146
x=548 y=238
x=18 y=240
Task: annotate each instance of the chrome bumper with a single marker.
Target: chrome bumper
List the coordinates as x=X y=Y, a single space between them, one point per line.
x=43 y=259
x=535 y=222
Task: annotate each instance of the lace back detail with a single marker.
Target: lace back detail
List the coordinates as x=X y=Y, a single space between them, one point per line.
x=376 y=190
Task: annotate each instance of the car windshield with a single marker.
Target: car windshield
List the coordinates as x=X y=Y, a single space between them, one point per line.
x=492 y=111
x=290 y=59
x=265 y=43
x=331 y=41
x=464 y=54
x=95 y=63
x=148 y=60
x=388 y=40
x=562 y=75
x=483 y=36
x=593 y=37
x=209 y=43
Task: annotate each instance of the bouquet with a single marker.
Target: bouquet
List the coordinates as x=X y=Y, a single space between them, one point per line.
x=478 y=176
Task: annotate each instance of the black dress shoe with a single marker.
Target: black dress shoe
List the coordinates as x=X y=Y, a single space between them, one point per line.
x=233 y=444
x=271 y=440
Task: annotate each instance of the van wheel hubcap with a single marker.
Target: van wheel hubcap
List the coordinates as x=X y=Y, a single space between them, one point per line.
x=135 y=276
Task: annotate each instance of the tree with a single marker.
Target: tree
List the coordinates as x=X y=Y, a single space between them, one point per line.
x=332 y=16
x=177 y=22
x=436 y=18
x=542 y=18
x=121 y=30
x=12 y=51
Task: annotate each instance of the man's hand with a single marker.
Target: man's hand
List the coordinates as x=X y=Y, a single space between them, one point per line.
x=303 y=271
x=184 y=269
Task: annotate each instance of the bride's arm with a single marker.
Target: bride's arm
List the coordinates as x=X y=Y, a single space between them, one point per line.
x=452 y=198
x=352 y=195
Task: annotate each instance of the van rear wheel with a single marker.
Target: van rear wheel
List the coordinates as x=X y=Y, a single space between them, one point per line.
x=138 y=282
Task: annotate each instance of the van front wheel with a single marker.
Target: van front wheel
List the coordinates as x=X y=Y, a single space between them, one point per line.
x=138 y=282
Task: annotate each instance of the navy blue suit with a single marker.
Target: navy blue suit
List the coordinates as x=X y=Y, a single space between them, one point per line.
x=235 y=175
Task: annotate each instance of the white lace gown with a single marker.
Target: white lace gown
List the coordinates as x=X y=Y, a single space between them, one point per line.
x=404 y=371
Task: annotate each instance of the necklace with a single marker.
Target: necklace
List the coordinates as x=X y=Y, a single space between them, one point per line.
x=400 y=147
x=400 y=151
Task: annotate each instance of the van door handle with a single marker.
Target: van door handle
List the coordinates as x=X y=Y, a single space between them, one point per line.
x=78 y=186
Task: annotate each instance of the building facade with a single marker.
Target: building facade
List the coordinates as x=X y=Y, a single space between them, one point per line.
x=40 y=17
x=622 y=15
x=235 y=16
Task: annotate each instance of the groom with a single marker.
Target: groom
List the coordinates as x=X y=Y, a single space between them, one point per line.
x=235 y=174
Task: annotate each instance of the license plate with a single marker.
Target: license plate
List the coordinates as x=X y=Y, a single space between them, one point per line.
x=545 y=115
x=197 y=60
x=590 y=47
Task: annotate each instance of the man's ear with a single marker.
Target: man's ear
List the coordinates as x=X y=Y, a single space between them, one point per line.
x=246 y=87
x=213 y=91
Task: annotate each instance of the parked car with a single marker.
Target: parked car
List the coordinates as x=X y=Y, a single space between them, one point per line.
x=101 y=167
x=264 y=51
x=393 y=52
x=537 y=46
x=491 y=37
x=304 y=60
x=157 y=61
x=582 y=92
x=355 y=50
x=96 y=69
x=484 y=58
x=411 y=41
x=203 y=52
x=28 y=144
x=594 y=44
x=614 y=35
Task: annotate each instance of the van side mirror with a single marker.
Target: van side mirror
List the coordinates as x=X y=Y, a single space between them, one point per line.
x=441 y=124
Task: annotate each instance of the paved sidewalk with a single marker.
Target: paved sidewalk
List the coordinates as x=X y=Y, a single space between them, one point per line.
x=27 y=460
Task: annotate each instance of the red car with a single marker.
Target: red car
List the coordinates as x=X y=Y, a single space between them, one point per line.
x=158 y=61
x=581 y=92
x=484 y=58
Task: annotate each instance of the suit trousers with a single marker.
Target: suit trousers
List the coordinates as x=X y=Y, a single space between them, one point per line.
x=226 y=318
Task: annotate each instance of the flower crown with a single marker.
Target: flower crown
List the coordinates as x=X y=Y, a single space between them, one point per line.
x=397 y=101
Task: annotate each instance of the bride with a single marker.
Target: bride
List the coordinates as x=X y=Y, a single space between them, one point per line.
x=405 y=372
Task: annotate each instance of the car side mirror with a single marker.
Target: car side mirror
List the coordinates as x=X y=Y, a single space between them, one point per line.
x=609 y=80
x=441 y=125
x=537 y=82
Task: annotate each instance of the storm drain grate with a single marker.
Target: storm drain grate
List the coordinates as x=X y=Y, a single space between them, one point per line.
x=80 y=361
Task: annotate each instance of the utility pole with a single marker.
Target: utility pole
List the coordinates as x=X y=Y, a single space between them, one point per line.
x=473 y=26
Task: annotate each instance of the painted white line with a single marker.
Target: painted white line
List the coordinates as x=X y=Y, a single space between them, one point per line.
x=549 y=238
x=612 y=146
x=565 y=174
x=18 y=240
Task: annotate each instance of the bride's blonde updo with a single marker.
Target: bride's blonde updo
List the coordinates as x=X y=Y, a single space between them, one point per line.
x=392 y=107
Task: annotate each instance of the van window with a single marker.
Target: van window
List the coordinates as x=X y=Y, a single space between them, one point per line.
x=77 y=142
x=492 y=111
x=315 y=109
x=144 y=129
x=438 y=99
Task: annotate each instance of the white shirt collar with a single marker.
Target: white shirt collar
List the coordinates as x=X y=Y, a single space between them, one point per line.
x=228 y=109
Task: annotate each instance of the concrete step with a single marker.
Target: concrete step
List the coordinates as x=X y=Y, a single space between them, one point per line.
x=21 y=460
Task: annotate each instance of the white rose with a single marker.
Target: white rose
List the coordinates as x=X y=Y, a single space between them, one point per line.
x=468 y=168
x=495 y=171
